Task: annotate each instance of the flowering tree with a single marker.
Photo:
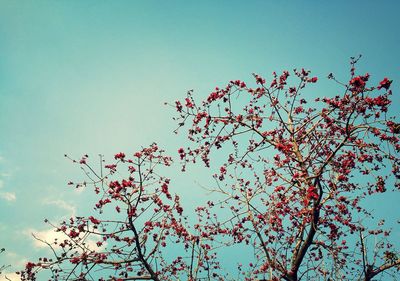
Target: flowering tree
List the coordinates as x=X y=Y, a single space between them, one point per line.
x=294 y=189
x=143 y=217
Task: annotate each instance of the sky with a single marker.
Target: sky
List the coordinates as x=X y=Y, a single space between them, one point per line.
x=92 y=77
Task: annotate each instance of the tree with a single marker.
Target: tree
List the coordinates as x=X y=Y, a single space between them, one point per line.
x=294 y=189
x=2 y=267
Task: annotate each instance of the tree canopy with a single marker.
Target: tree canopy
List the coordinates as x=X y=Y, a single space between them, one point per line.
x=296 y=173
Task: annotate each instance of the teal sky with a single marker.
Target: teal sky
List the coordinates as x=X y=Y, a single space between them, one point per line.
x=92 y=76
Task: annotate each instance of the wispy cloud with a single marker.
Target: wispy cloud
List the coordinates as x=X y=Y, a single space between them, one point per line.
x=71 y=209
x=8 y=196
x=16 y=261
x=11 y=276
x=5 y=174
x=48 y=235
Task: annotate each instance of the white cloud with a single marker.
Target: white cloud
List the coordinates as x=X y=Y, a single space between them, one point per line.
x=62 y=205
x=10 y=277
x=50 y=235
x=16 y=261
x=8 y=196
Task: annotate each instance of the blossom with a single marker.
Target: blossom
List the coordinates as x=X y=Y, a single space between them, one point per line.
x=73 y=233
x=75 y=260
x=178 y=106
x=259 y=79
x=189 y=103
x=312 y=192
x=385 y=83
x=358 y=83
x=120 y=155
x=182 y=153
x=94 y=220
x=30 y=265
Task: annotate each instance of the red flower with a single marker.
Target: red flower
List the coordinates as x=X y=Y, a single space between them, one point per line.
x=385 y=83
x=73 y=234
x=93 y=220
x=120 y=155
x=260 y=80
x=75 y=260
x=182 y=153
x=312 y=192
x=178 y=106
x=222 y=170
x=189 y=103
x=357 y=82
x=30 y=265
x=164 y=188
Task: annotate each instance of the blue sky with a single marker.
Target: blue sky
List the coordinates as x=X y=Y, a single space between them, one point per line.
x=92 y=76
